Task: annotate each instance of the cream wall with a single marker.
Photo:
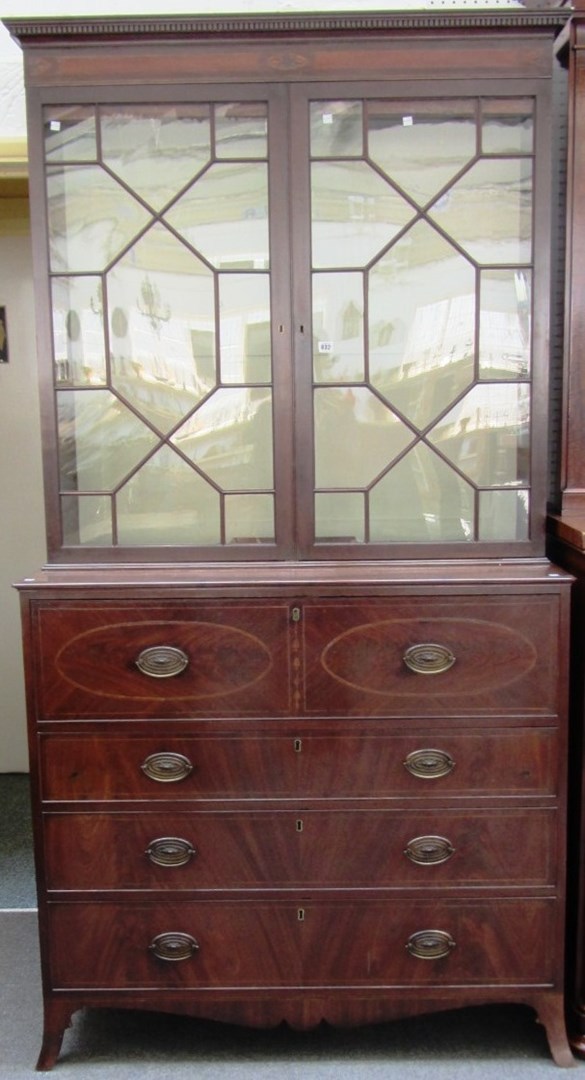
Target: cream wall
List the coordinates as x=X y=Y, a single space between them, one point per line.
x=22 y=537
x=22 y=544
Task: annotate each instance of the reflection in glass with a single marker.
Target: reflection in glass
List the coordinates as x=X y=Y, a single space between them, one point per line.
x=503 y=515
x=91 y=218
x=155 y=149
x=338 y=327
x=486 y=435
x=166 y=502
x=100 y=440
x=421 y=499
x=421 y=145
x=249 y=518
x=504 y=326
x=224 y=216
x=422 y=324
x=356 y=436
x=229 y=438
x=336 y=129
x=87 y=519
x=244 y=328
x=70 y=133
x=489 y=210
x=241 y=130
x=507 y=126
x=355 y=213
x=340 y=516
x=78 y=331
x=159 y=296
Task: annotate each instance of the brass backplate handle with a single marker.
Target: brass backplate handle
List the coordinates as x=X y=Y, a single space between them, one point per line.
x=166 y=767
x=429 y=764
x=174 y=946
x=429 y=850
x=170 y=851
x=430 y=944
x=162 y=661
x=429 y=659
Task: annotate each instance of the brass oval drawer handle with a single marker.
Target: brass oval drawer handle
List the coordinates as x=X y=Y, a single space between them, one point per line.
x=166 y=767
x=170 y=851
x=162 y=661
x=174 y=946
x=429 y=659
x=430 y=944
x=429 y=764
x=429 y=850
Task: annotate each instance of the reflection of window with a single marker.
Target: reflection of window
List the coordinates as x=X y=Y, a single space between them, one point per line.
x=351 y=321
x=203 y=349
x=256 y=347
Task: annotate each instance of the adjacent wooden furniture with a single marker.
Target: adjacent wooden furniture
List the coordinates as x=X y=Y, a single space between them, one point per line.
x=297 y=667
x=567 y=526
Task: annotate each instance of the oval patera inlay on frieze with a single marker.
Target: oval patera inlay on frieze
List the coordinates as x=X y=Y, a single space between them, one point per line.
x=370 y=657
x=288 y=61
x=223 y=660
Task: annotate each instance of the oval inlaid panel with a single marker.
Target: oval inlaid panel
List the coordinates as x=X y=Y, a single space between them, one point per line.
x=222 y=660
x=370 y=657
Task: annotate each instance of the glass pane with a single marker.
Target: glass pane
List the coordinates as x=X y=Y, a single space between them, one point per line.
x=78 y=331
x=487 y=434
x=422 y=324
x=244 y=328
x=224 y=216
x=87 y=519
x=507 y=126
x=503 y=515
x=336 y=129
x=489 y=211
x=339 y=517
x=249 y=518
x=230 y=438
x=159 y=296
x=91 y=218
x=70 y=133
x=504 y=327
x=338 y=327
x=166 y=502
x=100 y=440
x=356 y=436
x=241 y=130
x=421 y=499
x=156 y=149
x=355 y=213
x=422 y=145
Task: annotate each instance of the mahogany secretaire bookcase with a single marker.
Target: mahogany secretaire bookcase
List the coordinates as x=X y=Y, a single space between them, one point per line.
x=297 y=666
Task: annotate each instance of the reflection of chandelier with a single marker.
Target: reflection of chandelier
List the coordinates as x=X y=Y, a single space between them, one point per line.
x=150 y=305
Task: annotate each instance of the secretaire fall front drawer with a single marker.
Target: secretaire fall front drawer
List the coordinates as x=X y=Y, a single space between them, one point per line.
x=391 y=656
x=501 y=761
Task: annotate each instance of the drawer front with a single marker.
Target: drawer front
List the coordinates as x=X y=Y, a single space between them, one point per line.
x=111 y=661
x=519 y=761
x=313 y=943
x=327 y=849
x=432 y=656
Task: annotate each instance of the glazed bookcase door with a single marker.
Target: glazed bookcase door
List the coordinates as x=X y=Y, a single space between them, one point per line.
x=164 y=224
x=423 y=377
x=299 y=321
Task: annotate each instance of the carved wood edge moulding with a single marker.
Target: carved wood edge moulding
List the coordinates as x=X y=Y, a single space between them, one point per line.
x=277 y=24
